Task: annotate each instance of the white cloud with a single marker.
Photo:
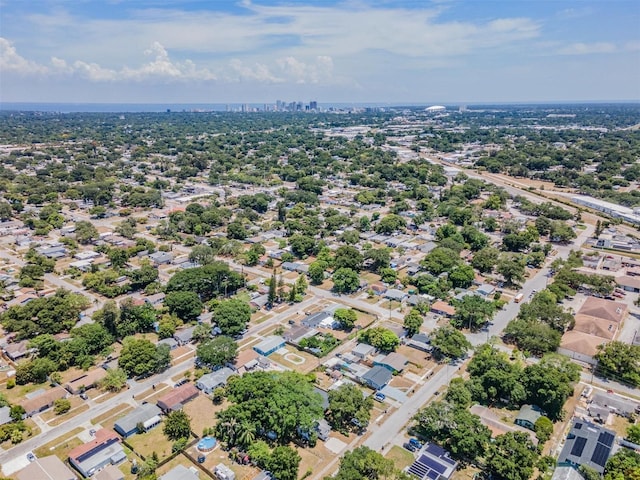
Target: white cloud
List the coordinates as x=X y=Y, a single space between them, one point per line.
x=11 y=61
x=587 y=48
x=161 y=67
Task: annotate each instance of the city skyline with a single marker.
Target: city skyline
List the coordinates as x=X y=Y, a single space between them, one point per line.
x=442 y=51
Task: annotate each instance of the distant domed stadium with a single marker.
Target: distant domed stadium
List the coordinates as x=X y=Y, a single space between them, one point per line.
x=435 y=108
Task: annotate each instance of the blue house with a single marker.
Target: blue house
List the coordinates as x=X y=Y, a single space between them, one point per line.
x=269 y=345
x=377 y=377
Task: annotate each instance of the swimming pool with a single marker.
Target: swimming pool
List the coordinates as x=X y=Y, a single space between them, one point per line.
x=207 y=444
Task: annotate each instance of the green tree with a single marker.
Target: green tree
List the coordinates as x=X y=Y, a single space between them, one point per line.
x=380 y=258
x=218 y=351
x=316 y=272
x=390 y=224
x=532 y=336
x=455 y=428
x=544 y=307
x=633 y=433
x=236 y=231
x=381 y=338
x=140 y=357
x=413 y=322
x=277 y=403
x=347 y=403
x=85 y=232
x=440 y=260
x=544 y=429
x=485 y=260
x=61 y=406
x=512 y=456
x=448 y=342
x=619 y=361
x=364 y=463
x=177 y=425
x=624 y=465
x=472 y=311
x=346 y=280
x=232 y=316
x=348 y=257
x=549 y=383
x=115 y=380
x=187 y=306
x=512 y=268
x=347 y=317
x=283 y=463
x=462 y=276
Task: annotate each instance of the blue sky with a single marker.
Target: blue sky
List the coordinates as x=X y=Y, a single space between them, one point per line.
x=396 y=51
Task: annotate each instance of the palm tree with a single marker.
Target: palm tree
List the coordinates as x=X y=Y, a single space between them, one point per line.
x=247 y=434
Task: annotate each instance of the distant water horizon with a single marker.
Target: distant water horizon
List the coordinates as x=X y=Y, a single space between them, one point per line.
x=70 y=107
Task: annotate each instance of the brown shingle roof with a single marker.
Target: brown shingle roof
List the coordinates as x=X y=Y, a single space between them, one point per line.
x=178 y=396
x=87 y=380
x=41 y=401
x=102 y=436
x=601 y=308
x=596 y=326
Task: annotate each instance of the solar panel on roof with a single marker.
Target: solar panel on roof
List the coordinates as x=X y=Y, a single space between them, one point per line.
x=606 y=438
x=577 y=426
x=578 y=446
x=432 y=474
x=600 y=454
x=448 y=460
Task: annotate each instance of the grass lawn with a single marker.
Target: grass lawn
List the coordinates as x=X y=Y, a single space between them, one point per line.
x=17 y=393
x=61 y=445
x=401 y=458
x=76 y=403
x=107 y=419
x=202 y=413
x=152 y=441
x=60 y=419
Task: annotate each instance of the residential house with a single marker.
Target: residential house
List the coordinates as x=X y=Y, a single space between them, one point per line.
x=363 y=350
x=171 y=342
x=443 y=308
x=485 y=290
x=315 y=320
x=394 y=362
x=43 y=401
x=5 y=415
x=110 y=472
x=616 y=404
x=629 y=283
x=147 y=415
x=378 y=288
x=415 y=300
x=566 y=473
x=180 y=472
x=297 y=333
x=176 y=398
x=184 y=336
x=587 y=444
x=269 y=345
x=295 y=267
x=528 y=416
x=104 y=449
x=86 y=381
x=209 y=382
x=259 y=302
x=161 y=258
x=420 y=341
x=245 y=361
x=16 y=351
x=433 y=462
x=22 y=299
x=53 y=251
x=156 y=299
x=46 y=468
x=395 y=295
x=377 y=377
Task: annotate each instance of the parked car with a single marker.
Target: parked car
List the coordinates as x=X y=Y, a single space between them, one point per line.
x=415 y=442
x=409 y=447
x=379 y=397
x=31 y=457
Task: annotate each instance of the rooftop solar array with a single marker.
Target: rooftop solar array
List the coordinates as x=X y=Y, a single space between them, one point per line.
x=606 y=438
x=578 y=446
x=434 y=464
x=600 y=454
